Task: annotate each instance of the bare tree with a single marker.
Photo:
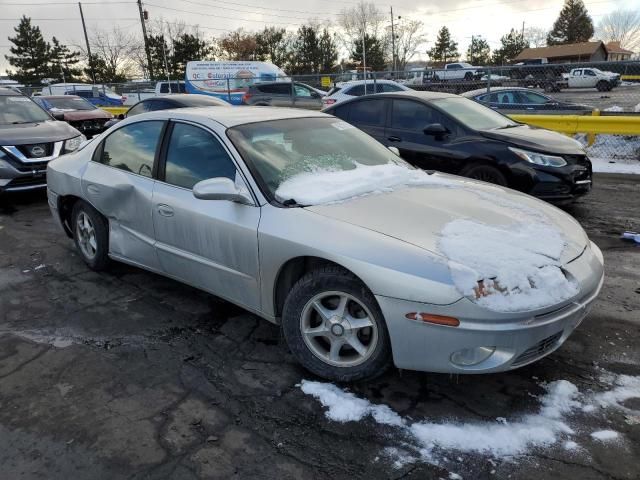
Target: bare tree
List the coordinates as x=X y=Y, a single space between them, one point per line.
x=409 y=37
x=536 y=36
x=621 y=26
x=115 y=54
x=355 y=22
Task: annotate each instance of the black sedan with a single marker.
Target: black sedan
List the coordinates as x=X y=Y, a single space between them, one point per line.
x=179 y=100
x=524 y=100
x=453 y=134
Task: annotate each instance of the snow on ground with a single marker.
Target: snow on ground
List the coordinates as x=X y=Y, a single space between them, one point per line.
x=331 y=186
x=614 y=153
x=526 y=271
x=604 y=165
x=504 y=438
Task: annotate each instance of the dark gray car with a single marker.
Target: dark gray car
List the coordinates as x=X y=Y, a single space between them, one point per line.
x=283 y=94
x=29 y=138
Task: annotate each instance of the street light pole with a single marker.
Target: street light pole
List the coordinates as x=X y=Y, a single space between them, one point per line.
x=86 y=39
x=146 y=40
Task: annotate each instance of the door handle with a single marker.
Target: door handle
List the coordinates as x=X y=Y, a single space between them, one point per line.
x=394 y=139
x=93 y=189
x=165 y=210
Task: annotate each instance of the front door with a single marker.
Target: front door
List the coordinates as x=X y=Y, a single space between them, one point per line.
x=306 y=98
x=210 y=244
x=405 y=130
x=118 y=183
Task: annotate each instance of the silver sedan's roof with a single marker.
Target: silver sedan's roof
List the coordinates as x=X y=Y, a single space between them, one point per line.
x=232 y=116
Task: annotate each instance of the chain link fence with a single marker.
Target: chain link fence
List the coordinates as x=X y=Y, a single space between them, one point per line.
x=606 y=88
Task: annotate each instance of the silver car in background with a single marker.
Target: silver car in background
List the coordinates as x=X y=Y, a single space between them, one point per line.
x=310 y=223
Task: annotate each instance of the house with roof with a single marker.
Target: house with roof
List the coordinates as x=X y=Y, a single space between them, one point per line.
x=568 y=53
x=615 y=53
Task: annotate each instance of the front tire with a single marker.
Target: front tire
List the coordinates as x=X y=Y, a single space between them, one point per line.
x=485 y=173
x=91 y=235
x=334 y=326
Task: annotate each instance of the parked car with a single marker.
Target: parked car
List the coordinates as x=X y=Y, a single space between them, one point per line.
x=179 y=100
x=283 y=94
x=77 y=112
x=589 y=78
x=523 y=100
x=29 y=138
x=308 y=222
x=453 y=134
x=99 y=95
x=347 y=90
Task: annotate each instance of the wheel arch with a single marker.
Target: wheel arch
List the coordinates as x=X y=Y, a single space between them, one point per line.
x=292 y=271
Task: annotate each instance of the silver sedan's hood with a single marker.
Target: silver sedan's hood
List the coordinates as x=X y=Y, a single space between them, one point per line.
x=417 y=215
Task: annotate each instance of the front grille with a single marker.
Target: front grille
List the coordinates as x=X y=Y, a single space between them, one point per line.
x=576 y=159
x=538 y=350
x=95 y=125
x=27 y=181
x=36 y=150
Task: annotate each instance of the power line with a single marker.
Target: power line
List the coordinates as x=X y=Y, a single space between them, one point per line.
x=75 y=19
x=249 y=11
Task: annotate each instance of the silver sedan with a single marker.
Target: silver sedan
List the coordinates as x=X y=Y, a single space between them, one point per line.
x=311 y=224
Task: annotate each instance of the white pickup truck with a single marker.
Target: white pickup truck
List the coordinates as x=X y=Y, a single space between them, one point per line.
x=162 y=88
x=588 y=77
x=454 y=71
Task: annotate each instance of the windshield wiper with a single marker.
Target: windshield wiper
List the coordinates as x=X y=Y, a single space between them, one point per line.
x=508 y=126
x=291 y=203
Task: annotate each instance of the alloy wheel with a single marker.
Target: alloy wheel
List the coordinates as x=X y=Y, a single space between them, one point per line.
x=86 y=235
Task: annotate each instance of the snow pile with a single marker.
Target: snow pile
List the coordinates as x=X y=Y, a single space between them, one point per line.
x=502 y=438
x=346 y=407
x=330 y=186
x=637 y=108
x=614 y=108
x=518 y=264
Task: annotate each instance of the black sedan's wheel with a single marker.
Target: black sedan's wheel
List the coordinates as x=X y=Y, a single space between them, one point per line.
x=334 y=326
x=486 y=173
x=91 y=235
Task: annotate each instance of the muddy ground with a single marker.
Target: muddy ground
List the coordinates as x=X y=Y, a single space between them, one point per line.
x=127 y=374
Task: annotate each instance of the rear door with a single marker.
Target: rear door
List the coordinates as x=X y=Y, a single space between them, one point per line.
x=119 y=182
x=307 y=98
x=405 y=130
x=210 y=244
x=278 y=94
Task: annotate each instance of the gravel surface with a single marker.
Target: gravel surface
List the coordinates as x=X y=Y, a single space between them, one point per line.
x=126 y=374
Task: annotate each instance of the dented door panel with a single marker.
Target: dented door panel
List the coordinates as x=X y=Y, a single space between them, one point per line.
x=125 y=199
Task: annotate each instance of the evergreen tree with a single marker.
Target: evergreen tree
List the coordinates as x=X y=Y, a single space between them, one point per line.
x=328 y=52
x=478 y=52
x=512 y=44
x=158 y=48
x=445 y=49
x=29 y=53
x=63 y=63
x=572 y=26
x=188 y=47
x=304 y=51
x=374 y=53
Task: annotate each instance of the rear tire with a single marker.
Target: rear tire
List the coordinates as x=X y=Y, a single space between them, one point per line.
x=602 y=86
x=91 y=235
x=485 y=173
x=334 y=326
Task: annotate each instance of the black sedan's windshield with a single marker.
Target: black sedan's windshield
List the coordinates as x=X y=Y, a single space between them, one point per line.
x=472 y=114
x=15 y=109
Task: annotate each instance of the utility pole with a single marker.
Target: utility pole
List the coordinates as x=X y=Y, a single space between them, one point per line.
x=522 y=34
x=146 y=40
x=86 y=39
x=393 y=43
x=471 y=49
x=364 y=60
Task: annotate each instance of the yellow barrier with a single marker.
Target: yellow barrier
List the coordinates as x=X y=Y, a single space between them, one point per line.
x=630 y=77
x=115 y=110
x=591 y=125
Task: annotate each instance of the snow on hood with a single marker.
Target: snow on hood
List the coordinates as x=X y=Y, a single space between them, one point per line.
x=515 y=266
x=332 y=186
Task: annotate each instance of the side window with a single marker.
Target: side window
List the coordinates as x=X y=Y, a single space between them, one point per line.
x=532 y=97
x=577 y=73
x=368 y=112
x=506 y=98
x=133 y=148
x=164 y=88
x=410 y=115
x=194 y=155
x=454 y=66
x=590 y=73
x=358 y=90
x=137 y=109
x=158 y=105
x=342 y=112
x=302 y=91
x=388 y=87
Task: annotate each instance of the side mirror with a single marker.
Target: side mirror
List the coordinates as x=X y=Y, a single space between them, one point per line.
x=394 y=150
x=220 y=188
x=58 y=116
x=121 y=116
x=436 y=130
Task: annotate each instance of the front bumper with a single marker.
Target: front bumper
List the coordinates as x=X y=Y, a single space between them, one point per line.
x=16 y=177
x=518 y=338
x=556 y=184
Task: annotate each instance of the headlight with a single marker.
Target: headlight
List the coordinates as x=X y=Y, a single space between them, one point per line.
x=539 y=158
x=72 y=144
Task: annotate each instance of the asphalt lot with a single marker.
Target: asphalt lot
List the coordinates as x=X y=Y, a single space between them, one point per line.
x=126 y=374
x=625 y=97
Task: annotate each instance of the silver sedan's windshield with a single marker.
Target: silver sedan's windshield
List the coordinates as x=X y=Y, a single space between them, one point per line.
x=278 y=150
x=472 y=114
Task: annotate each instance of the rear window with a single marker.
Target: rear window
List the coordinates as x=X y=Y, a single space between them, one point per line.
x=275 y=88
x=175 y=88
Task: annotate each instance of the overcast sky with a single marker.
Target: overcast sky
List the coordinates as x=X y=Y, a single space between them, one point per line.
x=487 y=18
